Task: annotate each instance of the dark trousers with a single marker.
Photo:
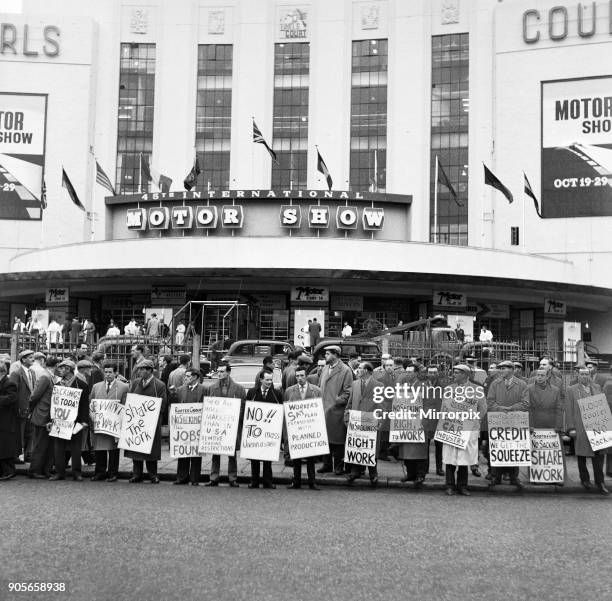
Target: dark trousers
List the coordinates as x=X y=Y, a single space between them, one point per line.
x=598 y=465
x=497 y=472
x=416 y=468
x=107 y=459
x=232 y=468
x=462 y=475
x=189 y=468
x=359 y=470
x=139 y=466
x=438 y=447
x=337 y=455
x=297 y=470
x=60 y=446
x=42 y=452
x=7 y=466
x=26 y=437
x=267 y=472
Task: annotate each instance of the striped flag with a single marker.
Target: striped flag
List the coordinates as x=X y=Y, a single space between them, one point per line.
x=491 y=180
x=192 y=177
x=259 y=139
x=530 y=193
x=66 y=183
x=322 y=168
x=43 y=196
x=103 y=179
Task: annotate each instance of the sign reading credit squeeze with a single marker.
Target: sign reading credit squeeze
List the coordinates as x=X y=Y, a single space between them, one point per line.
x=509 y=439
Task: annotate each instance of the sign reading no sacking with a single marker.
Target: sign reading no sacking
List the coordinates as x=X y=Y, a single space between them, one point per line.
x=139 y=423
x=220 y=418
x=546 y=458
x=184 y=420
x=261 y=431
x=106 y=415
x=361 y=435
x=64 y=411
x=306 y=429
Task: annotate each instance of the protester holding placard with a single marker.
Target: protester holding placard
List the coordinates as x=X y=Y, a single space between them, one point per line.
x=104 y=445
x=67 y=378
x=432 y=399
x=506 y=394
x=226 y=387
x=575 y=426
x=300 y=391
x=188 y=469
x=148 y=385
x=9 y=424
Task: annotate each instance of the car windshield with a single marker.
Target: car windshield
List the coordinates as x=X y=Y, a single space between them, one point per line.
x=248 y=373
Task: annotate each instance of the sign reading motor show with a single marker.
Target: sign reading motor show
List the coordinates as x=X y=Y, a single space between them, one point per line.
x=22 y=154
x=577 y=147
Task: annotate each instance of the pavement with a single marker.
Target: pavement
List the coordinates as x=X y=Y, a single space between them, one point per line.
x=389 y=475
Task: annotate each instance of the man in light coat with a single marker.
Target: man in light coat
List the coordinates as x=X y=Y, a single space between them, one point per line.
x=24 y=378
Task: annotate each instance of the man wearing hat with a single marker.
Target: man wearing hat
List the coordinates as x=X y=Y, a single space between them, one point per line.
x=518 y=371
x=314 y=377
x=597 y=378
x=336 y=383
x=506 y=394
x=9 y=424
x=148 y=385
x=67 y=377
x=24 y=378
x=380 y=370
x=38 y=366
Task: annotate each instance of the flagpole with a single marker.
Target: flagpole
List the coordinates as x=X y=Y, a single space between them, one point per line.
x=436 y=202
x=524 y=240
x=375 y=170
x=140 y=175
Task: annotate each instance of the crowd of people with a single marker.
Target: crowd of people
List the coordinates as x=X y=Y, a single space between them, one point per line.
x=26 y=389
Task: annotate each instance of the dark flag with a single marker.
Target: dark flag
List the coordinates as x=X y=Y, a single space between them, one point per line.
x=443 y=179
x=491 y=180
x=259 y=139
x=43 y=196
x=145 y=172
x=103 y=179
x=66 y=183
x=322 y=168
x=164 y=183
x=192 y=177
x=530 y=193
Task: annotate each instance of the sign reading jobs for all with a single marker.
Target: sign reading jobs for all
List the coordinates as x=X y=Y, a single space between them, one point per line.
x=361 y=434
x=64 y=411
x=261 y=431
x=509 y=439
x=306 y=429
x=597 y=421
x=185 y=421
x=139 y=423
x=546 y=458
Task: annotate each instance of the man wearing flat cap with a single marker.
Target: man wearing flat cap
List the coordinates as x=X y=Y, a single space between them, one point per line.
x=148 y=385
x=24 y=379
x=597 y=378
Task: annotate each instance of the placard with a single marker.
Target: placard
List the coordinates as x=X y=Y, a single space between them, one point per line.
x=455 y=423
x=546 y=458
x=446 y=298
x=407 y=424
x=509 y=440
x=106 y=415
x=597 y=421
x=139 y=423
x=64 y=411
x=361 y=435
x=220 y=419
x=184 y=420
x=261 y=431
x=306 y=429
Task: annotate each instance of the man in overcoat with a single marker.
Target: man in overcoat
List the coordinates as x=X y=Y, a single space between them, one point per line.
x=24 y=377
x=9 y=424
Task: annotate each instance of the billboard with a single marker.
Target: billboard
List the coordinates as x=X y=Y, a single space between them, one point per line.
x=23 y=120
x=576 y=150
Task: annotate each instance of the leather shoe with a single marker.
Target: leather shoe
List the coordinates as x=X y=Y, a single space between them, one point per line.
x=440 y=473
x=253 y=485
x=339 y=472
x=8 y=476
x=418 y=483
x=450 y=491
x=78 y=478
x=313 y=486
x=586 y=484
x=37 y=476
x=98 y=477
x=155 y=480
x=294 y=486
x=179 y=482
x=234 y=484
x=601 y=487
x=518 y=485
x=212 y=483
x=112 y=479
x=135 y=479
x=464 y=491
x=351 y=478
x=476 y=472
x=324 y=470
x=55 y=477
x=270 y=486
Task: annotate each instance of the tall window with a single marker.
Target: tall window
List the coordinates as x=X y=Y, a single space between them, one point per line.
x=290 y=119
x=135 y=118
x=369 y=116
x=213 y=113
x=450 y=105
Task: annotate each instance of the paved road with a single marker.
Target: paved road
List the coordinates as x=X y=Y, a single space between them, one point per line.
x=146 y=542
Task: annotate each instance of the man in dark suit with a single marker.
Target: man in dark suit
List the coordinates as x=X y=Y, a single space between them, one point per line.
x=263 y=393
x=24 y=378
x=9 y=424
x=300 y=391
x=189 y=468
x=226 y=387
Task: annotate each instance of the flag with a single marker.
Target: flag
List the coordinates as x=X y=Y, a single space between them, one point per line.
x=43 y=196
x=443 y=179
x=530 y=193
x=145 y=172
x=322 y=167
x=192 y=177
x=491 y=180
x=259 y=139
x=103 y=179
x=66 y=183
x=164 y=183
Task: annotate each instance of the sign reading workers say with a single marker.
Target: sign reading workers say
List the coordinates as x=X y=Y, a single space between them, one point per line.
x=361 y=435
x=509 y=440
x=306 y=429
x=220 y=418
x=107 y=415
x=261 y=431
x=597 y=421
x=64 y=411
x=139 y=423
x=546 y=458
x=185 y=420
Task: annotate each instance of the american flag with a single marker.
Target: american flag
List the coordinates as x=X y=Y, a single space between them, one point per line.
x=259 y=139
x=103 y=179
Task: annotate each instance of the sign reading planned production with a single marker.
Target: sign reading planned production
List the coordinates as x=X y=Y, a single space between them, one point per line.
x=22 y=154
x=220 y=417
x=261 y=431
x=139 y=423
x=185 y=420
x=597 y=421
x=546 y=458
x=361 y=438
x=306 y=430
x=509 y=440
x=577 y=147
x=64 y=411
x=107 y=415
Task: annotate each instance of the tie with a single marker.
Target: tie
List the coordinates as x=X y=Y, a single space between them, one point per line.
x=302 y=391
x=107 y=387
x=362 y=387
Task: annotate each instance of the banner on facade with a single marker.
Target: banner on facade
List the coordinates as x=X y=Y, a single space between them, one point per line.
x=64 y=411
x=546 y=458
x=106 y=415
x=261 y=431
x=306 y=429
x=407 y=423
x=509 y=440
x=220 y=419
x=302 y=320
x=361 y=435
x=139 y=423
x=184 y=420
x=597 y=421
x=576 y=152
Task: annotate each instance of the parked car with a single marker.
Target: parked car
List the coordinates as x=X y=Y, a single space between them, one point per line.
x=368 y=350
x=253 y=351
x=491 y=352
x=245 y=374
